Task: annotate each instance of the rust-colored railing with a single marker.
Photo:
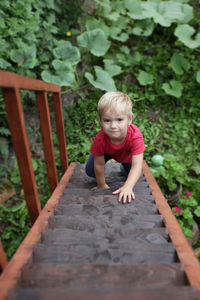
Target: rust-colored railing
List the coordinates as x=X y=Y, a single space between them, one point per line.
x=11 y=85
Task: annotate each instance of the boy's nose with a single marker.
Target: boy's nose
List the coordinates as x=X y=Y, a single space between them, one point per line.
x=113 y=124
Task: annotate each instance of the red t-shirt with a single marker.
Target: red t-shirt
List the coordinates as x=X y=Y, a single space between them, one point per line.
x=132 y=145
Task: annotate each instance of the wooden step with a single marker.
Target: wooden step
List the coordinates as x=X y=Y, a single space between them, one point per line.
x=133 y=236
x=135 y=207
x=77 y=222
x=105 y=276
x=98 y=254
x=170 y=292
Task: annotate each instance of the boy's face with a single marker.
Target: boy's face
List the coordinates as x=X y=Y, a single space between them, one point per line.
x=115 y=125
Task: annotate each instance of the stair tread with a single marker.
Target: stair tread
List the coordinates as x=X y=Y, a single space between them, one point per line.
x=106 y=276
x=77 y=221
x=79 y=254
x=133 y=236
x=174 y=293
x=135 y=207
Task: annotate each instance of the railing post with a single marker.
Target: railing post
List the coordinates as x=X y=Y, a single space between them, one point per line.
x=22 y=150
x=60 y=130
x=45 y=125
x=3 y=258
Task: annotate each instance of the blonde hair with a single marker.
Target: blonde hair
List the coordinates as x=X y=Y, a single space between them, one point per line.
x=115 y=102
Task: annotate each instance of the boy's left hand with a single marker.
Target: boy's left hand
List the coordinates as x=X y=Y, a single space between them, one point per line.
x=125 y=194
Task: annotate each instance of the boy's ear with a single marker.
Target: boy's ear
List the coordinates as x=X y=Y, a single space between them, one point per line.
x=131 y=119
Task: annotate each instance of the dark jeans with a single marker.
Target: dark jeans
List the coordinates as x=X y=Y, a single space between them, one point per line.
x=89 y=168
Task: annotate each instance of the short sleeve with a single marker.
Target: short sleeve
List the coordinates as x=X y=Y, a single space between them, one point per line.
x=138 y=146
x=137 y=141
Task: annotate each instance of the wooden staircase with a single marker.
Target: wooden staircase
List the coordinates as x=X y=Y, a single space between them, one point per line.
x=95 y=248
x=83 y=243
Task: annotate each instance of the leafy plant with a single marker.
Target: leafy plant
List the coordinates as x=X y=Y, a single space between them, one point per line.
x=188 y=209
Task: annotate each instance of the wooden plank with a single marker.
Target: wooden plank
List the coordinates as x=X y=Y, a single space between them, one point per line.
x=136 y=237
x=184 y=250
x=105 y=276
x=45 y=126
x=60 y=130
x=135 y=207
x=22 y=150
x=12 y=271
x=3 y=257
x=76 y=221
x=11 y=80
x=84 y=254
x=172 y=293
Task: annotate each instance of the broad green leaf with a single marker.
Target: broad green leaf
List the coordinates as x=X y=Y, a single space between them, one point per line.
x=114 y=16
x=173 y=88
x=165 y=13
x=185 y=33
x=179 y=64
x=135 y=8
x=143 y=27
x=49 y=77
x=25 y=58
x=93 y=23
x=111 y=68
x=60 y=66
x=198 y=76
x=103 y=80
x=95 y=41
x=68 y=53
x=122 y=37
x=122 y=22
x=67 y=79
x=145 y=78
x=63 y=79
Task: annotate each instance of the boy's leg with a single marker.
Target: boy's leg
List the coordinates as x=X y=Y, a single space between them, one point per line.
x=89 y=168
x=127 y=167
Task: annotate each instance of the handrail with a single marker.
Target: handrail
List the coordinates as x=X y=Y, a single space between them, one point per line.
x=11 y=85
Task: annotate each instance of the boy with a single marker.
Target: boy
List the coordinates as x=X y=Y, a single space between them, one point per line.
x=118 y=139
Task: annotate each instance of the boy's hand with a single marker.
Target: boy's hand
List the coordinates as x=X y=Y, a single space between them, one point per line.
x=125 y=194
x=104 y=186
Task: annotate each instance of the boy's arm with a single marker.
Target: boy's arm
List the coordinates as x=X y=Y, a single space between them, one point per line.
x=99 y=169
x=126 y=191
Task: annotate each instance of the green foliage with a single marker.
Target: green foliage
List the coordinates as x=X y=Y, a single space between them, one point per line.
x=188 y=210
x=117 y=30
x=16 y=225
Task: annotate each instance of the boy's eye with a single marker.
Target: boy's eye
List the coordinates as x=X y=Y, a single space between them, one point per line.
x=119 y=119
x=106 y=120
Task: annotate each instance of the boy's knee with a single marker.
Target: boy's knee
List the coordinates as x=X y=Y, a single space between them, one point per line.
x=89 y=171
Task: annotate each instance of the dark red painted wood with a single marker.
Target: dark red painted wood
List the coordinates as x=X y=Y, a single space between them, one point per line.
x=60 y=130
x=3 y=258
x=8 y=79
x=22 y=150
x=46 y=130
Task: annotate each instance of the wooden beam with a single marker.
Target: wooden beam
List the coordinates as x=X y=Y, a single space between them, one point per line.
x=22 y=150
x=3 y=258
x=8 y=80
x=60 y=130
x=45 y=126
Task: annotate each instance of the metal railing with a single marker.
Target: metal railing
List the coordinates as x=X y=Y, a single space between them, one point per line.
x=11 y=85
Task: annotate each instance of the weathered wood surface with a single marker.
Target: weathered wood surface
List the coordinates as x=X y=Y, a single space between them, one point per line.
x=97 y=248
